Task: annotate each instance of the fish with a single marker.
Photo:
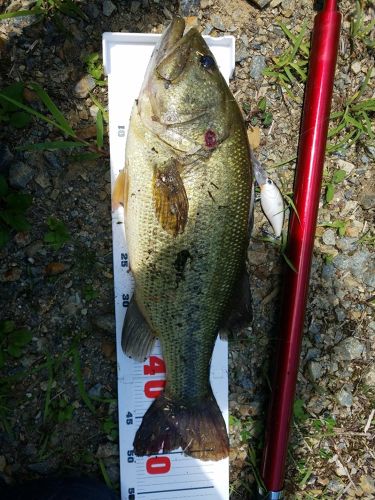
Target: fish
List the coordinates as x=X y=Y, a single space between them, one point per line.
x=186 y=190
x=271 y=199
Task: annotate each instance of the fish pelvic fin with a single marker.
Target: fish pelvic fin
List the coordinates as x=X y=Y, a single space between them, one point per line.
x=137 y=337
x=198 y=429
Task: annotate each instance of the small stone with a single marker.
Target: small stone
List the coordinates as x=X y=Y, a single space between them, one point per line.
x=92 y=10
x=42 y=468
x=340 y=314
x=207 y=30
x=205 y=4
x=93 y=110
x=314 y=370
x=329 y=237
x=12 y=274
x=108 y=7
x=96 y=390
x=356 y=67
x=335 y=485
x=135 y=5
x=54 y=268
x=242 y=53
x=345 y=165
x=20 y=175
x=367 y=484
x=188 y=7
x=369 y=377
x=345 y=397
x=84 y=86
x=108 y=349
x=346 y=244
x=218 y=23
x=42 y=179
x=261 y=3
x=107 y=450
x=257 y=66
x=113 y=472
x=53 y=160
x=105 y=322
x=349 y=349
x=5 y=157
x=367 y=201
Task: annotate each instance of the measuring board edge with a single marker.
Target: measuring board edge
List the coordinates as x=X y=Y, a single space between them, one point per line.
x=191 y=478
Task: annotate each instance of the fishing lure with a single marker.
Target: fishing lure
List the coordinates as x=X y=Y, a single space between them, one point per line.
x=271 y=200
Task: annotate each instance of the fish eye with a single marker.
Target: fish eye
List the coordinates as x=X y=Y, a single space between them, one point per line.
x=207 y=62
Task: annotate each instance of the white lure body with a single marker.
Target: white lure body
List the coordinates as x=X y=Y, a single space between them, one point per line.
x=271 y=199
x=272 y=204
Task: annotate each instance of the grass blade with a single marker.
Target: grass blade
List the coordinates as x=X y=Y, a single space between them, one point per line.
x=50 y=145
x=31 y=111
x=81 y=387
x=21 y=13
x=291 y=203
x=49 y=389
x=289 y=262
x=99 y=129
x=51 y=106
x=101 y=107
x=86 y=156
x=105 y=474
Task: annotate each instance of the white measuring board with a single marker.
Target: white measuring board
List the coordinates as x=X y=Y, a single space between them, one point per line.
x=173 y=475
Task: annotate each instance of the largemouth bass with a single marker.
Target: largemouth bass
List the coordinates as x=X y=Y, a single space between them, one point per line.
x=186 y=190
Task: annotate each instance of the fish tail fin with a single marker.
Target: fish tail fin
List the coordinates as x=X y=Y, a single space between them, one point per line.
x=198 y=429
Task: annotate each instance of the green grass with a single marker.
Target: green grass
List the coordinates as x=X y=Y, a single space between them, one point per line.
x=50 y=9
x=359 y=28
x=290 y=68
x=337 y=177
x=355 y=123
x=58 y=233
x=11 y=99
x=13 y=207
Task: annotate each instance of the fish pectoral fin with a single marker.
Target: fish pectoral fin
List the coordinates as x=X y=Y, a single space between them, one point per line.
x=120 y=190
x=137 y=337
x=240 y=307
x=171 y=202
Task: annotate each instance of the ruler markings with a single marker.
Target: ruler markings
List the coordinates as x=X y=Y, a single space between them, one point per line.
x=174 y=490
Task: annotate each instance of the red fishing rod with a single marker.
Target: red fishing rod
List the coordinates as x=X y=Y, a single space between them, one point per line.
x=307 y=187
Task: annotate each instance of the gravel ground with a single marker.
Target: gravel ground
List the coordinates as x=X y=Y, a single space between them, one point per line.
x=64 y=296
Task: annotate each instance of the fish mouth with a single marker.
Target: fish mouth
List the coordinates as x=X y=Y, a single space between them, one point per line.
x=174 y=50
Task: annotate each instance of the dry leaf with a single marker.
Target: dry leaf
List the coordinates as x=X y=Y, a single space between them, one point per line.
x=54 y=268
x=87 y=132
x=253 y=134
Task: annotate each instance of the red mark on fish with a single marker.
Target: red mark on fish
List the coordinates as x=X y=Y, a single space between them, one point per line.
x=210 y=139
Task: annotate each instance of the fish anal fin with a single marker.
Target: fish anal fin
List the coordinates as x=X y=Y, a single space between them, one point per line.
x=240 y=307
x=137 y=337
x=171 y=202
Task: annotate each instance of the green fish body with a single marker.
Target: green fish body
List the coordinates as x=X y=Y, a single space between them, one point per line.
x=186 y=190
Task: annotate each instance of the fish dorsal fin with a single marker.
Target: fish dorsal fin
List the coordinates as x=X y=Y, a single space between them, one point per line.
x=137 y=337
x=171 y=202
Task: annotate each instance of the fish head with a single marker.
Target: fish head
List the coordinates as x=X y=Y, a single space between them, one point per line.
x=185 y=99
